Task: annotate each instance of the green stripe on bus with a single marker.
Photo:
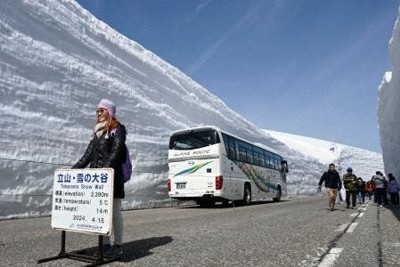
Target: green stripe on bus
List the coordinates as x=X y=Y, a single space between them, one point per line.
x=193 y=169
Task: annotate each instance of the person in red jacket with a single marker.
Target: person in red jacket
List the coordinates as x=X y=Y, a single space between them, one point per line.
x=331 y=178
x=369 y=189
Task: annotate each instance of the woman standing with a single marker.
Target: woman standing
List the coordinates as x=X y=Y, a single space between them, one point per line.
x=107 y=150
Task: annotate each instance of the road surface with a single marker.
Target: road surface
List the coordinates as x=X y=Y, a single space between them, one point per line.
x=299 y=232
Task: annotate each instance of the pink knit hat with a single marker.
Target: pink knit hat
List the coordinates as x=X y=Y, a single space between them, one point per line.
x=109 y=106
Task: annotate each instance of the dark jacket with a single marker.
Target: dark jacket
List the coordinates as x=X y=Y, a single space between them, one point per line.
x=350 y=182
x=331 y=179
x=107 y=152
x=361 y=185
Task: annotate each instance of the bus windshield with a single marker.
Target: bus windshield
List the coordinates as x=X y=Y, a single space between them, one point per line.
x=194 y=140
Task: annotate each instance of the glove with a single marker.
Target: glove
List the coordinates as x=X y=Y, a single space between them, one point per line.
x=319 y=188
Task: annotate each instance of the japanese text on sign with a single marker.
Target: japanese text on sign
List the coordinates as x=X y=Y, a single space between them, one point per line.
x=82 y=200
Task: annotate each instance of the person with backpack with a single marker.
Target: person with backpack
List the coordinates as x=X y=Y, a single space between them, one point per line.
x=331 y=178
x=394 y=189
x=350 y=183
x=107 y=150
x=379 y=188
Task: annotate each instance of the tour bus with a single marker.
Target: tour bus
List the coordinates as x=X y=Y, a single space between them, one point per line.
x=208 y=165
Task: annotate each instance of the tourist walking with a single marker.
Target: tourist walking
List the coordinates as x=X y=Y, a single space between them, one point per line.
x=361 y=191
x=350 y=183
x=379 y=188
x=369 y=189
x=331 y=178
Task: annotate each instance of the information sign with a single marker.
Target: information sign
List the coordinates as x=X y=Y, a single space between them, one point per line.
x=83 y=200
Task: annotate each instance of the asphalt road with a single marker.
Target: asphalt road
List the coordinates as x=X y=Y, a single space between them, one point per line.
x=301 y=232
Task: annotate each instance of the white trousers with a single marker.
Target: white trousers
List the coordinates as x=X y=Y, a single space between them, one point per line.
x=118 y=224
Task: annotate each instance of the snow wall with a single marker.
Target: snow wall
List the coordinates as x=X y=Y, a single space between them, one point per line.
x=389 y=108
x=57 y=61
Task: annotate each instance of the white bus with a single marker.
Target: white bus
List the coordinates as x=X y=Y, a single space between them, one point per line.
x=209 y=165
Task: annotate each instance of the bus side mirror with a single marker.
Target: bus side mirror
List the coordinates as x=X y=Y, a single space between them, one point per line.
x=285 y=167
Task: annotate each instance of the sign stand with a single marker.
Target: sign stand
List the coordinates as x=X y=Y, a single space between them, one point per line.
x=83 y=203
x=95 y=261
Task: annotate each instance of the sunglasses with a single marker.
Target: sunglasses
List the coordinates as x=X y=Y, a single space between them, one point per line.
x=100 y=111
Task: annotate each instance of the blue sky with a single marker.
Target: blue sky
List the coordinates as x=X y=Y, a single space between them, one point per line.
x=307 y=67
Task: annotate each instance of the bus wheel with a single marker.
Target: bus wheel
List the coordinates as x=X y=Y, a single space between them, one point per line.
x=247 y=195
x=278 y=195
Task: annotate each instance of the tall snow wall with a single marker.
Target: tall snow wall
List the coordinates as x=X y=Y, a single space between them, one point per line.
x=389 y=108
x=56 y=62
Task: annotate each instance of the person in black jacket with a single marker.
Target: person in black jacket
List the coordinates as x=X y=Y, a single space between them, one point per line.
x=331 y=178
x=107 y=150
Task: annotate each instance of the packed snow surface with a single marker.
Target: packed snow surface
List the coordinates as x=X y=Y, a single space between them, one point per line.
x=57 y=61
x=318 y=154
x=389 y=108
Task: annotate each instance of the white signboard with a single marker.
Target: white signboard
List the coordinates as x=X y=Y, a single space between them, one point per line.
x=83 y=200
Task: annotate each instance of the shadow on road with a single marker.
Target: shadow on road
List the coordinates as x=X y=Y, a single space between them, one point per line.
x=141 y=248
x=221 y=205
x=396 y=211
x=135 y=249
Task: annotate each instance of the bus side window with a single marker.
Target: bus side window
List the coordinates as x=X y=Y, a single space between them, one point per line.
x=225 y=138
x=280 y=164
x=231 y=153
x=242 y=152
x=256 y=158
x=262 y=160
x=242 y=155
x=249 y=152
x=268 y=160
x=232 y=148
x=245 y=152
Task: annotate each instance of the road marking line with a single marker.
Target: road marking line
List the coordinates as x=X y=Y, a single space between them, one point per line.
x=352 y=227
x=330 y=258
x=342 y=227
x=392 y=244
x=361 y=214
x=355 y=214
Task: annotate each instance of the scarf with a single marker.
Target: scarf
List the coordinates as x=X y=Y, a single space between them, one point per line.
x=100 y=129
